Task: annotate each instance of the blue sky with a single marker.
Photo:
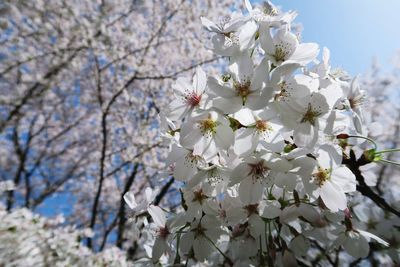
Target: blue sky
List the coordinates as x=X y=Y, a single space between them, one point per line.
x=355 y=31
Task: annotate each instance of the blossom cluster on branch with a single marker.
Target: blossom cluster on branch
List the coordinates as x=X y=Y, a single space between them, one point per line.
x=27 y=239
x=270 y=154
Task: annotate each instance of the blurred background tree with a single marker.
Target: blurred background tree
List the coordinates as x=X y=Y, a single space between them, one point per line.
x=81 y=85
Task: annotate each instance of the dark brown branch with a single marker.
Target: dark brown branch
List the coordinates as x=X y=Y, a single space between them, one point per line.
x=163 y=191
x=121 y=211
x=362 y=187
x=22 y=154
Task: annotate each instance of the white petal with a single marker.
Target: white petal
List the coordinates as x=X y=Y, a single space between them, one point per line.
x=305 y=53
x=209 y=25
x=286 y=180
x=368 y=235
x=176 y=154
x=150 y=194
x=247 y=34
x=283 y=70
x=245 y=117
x=244 y=141
x=319 y=103
x=199 y=80
x=250 y=191
x=189 y=135
x=272 y=210
x=185 y=169
x=333 y=197
x=160 y=246
x=344 y=178
x=202 y=248
x=328 y=157
x=278 y=164
x=205 y=147
x=228 y=105
x=332 y=94
x=218 y=89
x=158 y=215
x=242 y=67
x=299 y=245
x=261 y=73
x=256 y=101
x=186 y=242
x=130 y=200
x=305 y=135
x=267 y=43
x=182 y=86
x=224 y=136
x=239 y=173
x=177 y=109
x=356 y=245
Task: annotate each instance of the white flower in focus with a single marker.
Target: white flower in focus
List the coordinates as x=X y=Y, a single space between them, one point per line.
x=163 y=229
x=284 y=47
x=257 y=173
x=207 y=133
x=269 y=13
x=214 y=179
x=261 y=19
x=185 y=163
x=196 y=200
x=306 y=114
x=188 y=96
x=330 y=181
x=261 y=127
x=245 y=87
x=201 y=236
x=370 y=173
x=354 y=102
x=226 y=40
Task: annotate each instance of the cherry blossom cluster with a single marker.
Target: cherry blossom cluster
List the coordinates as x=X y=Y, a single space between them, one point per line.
x=263 y=152
x=27 y=239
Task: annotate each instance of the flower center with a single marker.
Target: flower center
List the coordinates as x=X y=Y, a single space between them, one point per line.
x=193 y=99
x=222 y=213
x=258 y=170
x=208 y=126
x=251 y=209
x=321 y=176
x=199 y=196
x=231 y=38
x=242 y=89
x=356 y=101
x=214 y=177
x=163 y=232
x=199 y=231
x=310 y=115
x=280 y=53
x=191 y=159
x=263 y=126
